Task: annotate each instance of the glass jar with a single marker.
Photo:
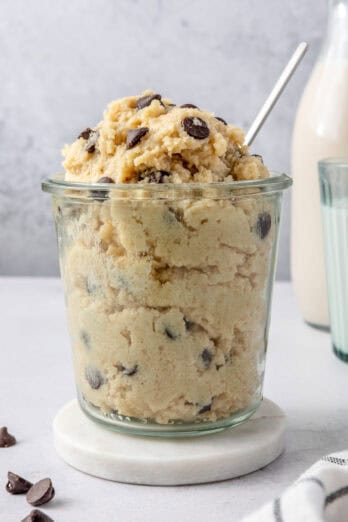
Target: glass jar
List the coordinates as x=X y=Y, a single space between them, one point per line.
x=320 y=131
x=168 y=291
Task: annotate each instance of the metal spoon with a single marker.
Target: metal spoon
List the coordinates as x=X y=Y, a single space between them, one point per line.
x=276 y=92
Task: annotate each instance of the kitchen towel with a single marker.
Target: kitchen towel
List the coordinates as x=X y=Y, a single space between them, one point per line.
x=319 y=495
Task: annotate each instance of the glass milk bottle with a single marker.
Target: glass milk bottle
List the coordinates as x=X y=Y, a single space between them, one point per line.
x=321 y=131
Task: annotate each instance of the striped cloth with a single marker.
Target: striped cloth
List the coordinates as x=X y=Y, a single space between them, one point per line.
x=319 y=495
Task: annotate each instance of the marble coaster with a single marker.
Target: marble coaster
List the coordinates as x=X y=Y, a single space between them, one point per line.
x=95 y=450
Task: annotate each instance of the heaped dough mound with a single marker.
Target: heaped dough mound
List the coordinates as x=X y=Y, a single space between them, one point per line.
x=146 y=138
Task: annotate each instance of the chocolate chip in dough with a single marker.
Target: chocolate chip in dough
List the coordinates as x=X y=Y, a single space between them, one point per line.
x=17 y=485
x=94 y=378
x=207 y=357
x=134 y=136
x=85 y=134
x=204 y=409
x=91 y=137
x=155 y=176
x=263 y=225
x=92 y=142
x=158 y=176
x=221 y=119
x=188 y=324
x=102 y=194
x=37 y=516
x=105 y=179
x=258 y=156
x=128 y=371
x=147 y=100
x=188 y=106
x=86 y=339
x=6 y=439
x=41 y=492
x=196 y=128
x=170 y=333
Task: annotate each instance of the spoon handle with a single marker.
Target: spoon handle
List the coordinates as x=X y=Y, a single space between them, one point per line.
x=276 y=92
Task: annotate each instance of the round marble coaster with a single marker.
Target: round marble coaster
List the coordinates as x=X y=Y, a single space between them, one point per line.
x=97 y=451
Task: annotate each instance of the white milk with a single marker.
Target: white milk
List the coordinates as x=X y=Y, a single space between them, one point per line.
x=321 y=131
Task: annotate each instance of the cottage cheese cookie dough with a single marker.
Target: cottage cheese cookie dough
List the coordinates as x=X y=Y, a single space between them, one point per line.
x=148 y=139
x=166 y=299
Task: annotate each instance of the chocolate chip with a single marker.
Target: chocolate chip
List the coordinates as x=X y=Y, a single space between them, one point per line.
x=92 y=141
x=102 y=194
x=221 y=119
x=16 y=484
x=86 y=339
x=258 y=156
x=205 y=408
x=207 y=357
x=6 y=439
x=127 y=371
x=94 y=378
x=196 y=127
x=188 y=106
x=135 y=135
x=263 y=225
x=169 y=333
x=105 y=179
x=41 y=492
x=147 y=100
x=188 y=324
x=37 y=516
x=85 y=134
x=158 y=176
x=155 y=176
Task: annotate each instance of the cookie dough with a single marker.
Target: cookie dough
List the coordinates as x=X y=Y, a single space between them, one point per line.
x=167 y=299
x=157 y=141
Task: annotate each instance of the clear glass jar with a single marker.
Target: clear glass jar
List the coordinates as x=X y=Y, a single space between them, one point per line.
x=168 y=291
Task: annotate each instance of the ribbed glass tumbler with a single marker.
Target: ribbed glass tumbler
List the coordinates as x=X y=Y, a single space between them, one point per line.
x=333 y=174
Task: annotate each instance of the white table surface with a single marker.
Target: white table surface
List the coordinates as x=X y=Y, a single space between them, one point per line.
x=302 y=376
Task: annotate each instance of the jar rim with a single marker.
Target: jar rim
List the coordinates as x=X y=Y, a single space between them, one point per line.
x=57 y=185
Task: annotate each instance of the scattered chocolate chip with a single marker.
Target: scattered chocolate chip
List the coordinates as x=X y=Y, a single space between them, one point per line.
x=92 y=141
x=127 y=371
x=6 y=439
x=205 y=408
x=188 y=324
x=41 y=492
x=221 y=119
x=147 y=100
x=17 y=485
x=207 y=357
x=135 y=135
x=169 y=333
x=94 y=378
x=263 y=225
x=37 y=516
x=85 y=134
x=196 y=128
x=86 y=339
x=258 y=156
x=188 y=106
x=171 y=105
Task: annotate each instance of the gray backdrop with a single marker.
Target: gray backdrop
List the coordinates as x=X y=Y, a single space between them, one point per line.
x=62 y=62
